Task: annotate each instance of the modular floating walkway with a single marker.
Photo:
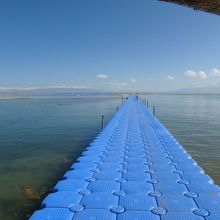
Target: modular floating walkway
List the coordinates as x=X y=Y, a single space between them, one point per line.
x=133 y=170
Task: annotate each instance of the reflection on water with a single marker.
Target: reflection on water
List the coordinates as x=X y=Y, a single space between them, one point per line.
x=41 y=138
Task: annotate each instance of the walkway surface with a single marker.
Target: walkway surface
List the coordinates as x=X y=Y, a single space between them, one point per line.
x=133 y=170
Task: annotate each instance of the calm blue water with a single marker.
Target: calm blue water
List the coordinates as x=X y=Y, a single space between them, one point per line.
x=40 y=138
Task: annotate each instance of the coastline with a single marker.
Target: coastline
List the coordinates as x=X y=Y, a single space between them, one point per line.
x=104 y=93
x=17 y=98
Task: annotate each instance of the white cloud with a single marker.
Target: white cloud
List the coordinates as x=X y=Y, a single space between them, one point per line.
x=215 y=72
x=190 y=73
x=193 y=74
x=170 y=77
x=102 y=76
x=133 y=80
x=202 y=74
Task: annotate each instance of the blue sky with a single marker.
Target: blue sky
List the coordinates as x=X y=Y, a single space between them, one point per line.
x=111 y=44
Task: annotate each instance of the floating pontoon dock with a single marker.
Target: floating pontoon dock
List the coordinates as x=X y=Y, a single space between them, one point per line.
x=133 y=170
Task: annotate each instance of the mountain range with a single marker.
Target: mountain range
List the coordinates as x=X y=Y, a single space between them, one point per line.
x=215 y=89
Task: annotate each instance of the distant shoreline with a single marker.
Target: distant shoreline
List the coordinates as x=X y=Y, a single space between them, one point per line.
x=126 y=93
x=15 y=98
x=105 y=93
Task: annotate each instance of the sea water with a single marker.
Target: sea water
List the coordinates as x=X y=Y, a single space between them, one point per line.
x=41 y=137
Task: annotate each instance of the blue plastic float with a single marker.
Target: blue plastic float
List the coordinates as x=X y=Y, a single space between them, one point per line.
x=133 y=170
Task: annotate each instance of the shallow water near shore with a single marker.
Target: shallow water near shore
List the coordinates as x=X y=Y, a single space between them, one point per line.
x=39 y=140
x=41 y=137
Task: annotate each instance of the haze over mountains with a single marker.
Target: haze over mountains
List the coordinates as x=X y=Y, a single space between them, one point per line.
x=214 y=89
x=49 y=90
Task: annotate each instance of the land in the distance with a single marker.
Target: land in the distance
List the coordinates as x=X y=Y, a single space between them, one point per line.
x=105 y=93
x=15 y=98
